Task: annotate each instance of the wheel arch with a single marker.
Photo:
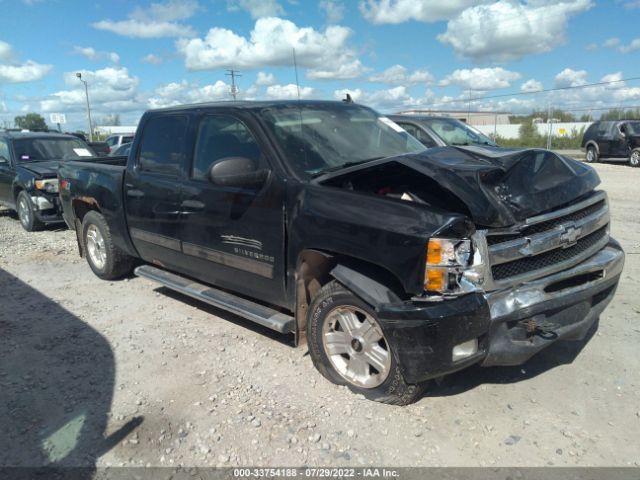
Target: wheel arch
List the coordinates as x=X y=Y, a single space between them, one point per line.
x=592 y=143
x=315 y=268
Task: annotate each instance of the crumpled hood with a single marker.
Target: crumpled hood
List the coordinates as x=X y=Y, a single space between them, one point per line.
x=46 y=168
x=500 y=187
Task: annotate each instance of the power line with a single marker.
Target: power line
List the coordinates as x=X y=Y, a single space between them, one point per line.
x=533 y=92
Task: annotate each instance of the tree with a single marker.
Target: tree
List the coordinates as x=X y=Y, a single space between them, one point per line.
x=31 y=121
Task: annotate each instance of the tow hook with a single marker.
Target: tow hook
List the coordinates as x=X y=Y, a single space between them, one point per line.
x=539 y=326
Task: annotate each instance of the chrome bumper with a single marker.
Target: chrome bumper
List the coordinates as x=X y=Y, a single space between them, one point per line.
x=572 y=300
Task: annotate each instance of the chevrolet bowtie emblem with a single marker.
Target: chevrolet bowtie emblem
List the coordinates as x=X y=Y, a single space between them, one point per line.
x=570 y=235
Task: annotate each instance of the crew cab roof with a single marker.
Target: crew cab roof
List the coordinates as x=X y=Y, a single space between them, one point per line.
x=250 y=105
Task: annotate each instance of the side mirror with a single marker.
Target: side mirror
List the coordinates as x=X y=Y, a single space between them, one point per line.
x=4 y=161
x=237 y=172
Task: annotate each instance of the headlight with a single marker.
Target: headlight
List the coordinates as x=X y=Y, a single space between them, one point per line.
x=49 y=186
x=446 y=262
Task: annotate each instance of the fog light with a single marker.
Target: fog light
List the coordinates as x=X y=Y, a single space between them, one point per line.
x=465 y=350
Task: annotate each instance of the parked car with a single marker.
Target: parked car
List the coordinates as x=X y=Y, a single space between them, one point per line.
x=99 y=148
x=396 y=263
x=28 y=173
x=435 y=131
x=613 y=141
x=115 y=141
x=122 y=151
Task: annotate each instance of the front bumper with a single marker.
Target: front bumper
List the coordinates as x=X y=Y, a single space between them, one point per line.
x=511 y=324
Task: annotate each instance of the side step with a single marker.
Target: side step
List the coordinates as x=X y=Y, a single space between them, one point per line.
x=265 y=316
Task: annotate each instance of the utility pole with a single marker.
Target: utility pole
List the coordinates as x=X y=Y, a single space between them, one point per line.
x=86 y=94
x=550 y=125
x=233 y=90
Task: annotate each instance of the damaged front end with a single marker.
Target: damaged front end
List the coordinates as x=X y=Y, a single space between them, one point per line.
x=535 y=256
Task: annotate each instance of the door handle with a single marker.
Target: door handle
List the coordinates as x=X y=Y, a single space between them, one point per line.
x=191 y=206
x=135 y=193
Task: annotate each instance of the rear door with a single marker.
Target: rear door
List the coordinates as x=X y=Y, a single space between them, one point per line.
x=152 y=188
x=604 y=137
x=233 y=236
x=7 y=173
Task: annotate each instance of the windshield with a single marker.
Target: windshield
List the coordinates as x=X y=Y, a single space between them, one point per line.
x=320 y=138
x=455 y=132
x=633 y=128
x=35 y=149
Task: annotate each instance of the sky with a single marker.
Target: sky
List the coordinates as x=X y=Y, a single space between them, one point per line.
x=392 y=55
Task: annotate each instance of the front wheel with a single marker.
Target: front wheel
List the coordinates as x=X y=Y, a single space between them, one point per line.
x=634 y=158
x=348 y=347
x=26 y=213
x=105 y=259
x=592 y=155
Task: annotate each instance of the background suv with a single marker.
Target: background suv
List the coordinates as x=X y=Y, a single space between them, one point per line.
x=615 y=140
x=441 y=131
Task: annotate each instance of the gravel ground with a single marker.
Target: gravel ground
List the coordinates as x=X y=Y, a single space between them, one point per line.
x=125 y=373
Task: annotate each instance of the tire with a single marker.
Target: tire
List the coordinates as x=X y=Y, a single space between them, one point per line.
x=592 y=155
x=26 y=215
x=341 y=349
x=105 y=259
x=634 y=158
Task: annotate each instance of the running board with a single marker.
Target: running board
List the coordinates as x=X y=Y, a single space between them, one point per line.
x=265 y=316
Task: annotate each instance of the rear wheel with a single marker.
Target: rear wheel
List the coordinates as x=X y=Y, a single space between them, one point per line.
x=592 y=155
x=348 y=347
x=26 y=213
x=634 y=158
x=105 y=259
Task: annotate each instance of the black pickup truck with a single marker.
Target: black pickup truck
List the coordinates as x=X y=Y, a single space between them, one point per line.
x=28 y=173
x=397 y=264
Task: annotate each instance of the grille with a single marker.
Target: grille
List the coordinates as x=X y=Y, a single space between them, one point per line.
x=549 y=224
x=553 y=257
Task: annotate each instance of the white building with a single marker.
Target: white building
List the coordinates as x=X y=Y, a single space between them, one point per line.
x=116 y=130
x=470 y=117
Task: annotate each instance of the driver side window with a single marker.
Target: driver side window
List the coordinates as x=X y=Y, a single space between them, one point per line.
x=221 y=136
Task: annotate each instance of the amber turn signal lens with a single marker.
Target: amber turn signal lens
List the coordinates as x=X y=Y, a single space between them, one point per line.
x=435 y=279
x=434 y=252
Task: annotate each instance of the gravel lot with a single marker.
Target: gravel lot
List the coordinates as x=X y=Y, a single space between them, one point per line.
x=125 y=373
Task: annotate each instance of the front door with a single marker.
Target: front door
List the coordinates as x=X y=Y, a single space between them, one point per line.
x=232 y=236
x=152 y=189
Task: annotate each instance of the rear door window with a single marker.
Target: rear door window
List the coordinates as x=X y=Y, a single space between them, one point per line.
x=164 y=148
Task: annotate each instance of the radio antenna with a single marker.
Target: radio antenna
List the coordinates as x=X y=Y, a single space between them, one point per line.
x=295 y=67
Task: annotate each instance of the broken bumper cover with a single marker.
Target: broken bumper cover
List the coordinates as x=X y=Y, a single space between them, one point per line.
x=511 y=325
x=47 y=208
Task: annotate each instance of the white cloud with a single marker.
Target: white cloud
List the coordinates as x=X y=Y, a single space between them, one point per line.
x=265 y=79
x=333 y=10
x=615 y=80
x=398 y=11
x=611 y=42
x=26 y=72
x=531 y=86
x=152 y=59
x=388 y=99
x=397 y=74
x=289 y=92
x=592 y=46
x=271 y=43
x=95 y=55
x=159 y=20
x=480 y=78
x=5 y=51
x=631 y=47
x=505 y=31
x=111 y=89
x=256 y=8
x=571 y=78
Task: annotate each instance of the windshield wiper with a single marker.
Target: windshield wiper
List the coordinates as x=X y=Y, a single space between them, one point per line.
x=343 y=166
x=460 y=144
